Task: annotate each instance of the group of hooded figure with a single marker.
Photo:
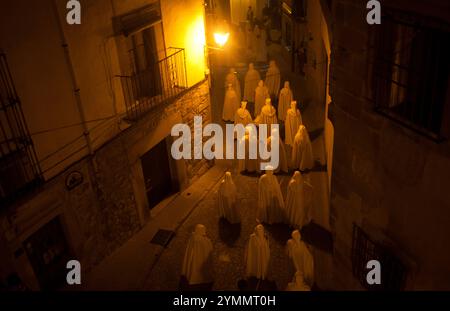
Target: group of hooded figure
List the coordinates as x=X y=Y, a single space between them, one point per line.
x=261 y=94
x=253 y=39
x=272 y=208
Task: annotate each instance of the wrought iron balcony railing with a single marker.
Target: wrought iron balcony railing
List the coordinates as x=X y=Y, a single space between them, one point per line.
x=156 y=84
x=19 y=168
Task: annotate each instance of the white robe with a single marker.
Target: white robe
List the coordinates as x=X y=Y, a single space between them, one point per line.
x=302 y=154
x=273 y=79
x=283 y=164
x=242 y=116
x=261 y=49
x=298 y=202
x=292 y=123
x=247 y=164
x=302 y=259
x=230 y=105
x=261 y=94
x=298 y=284
x=251 y=83
x=257 y=255
x=197 y=259
x=227 y=201
x=268 y=115
x=232 y=79
x=270 y=200
x=284 y=101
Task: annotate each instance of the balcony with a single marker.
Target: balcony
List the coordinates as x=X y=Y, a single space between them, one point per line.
x=19 y=168
x=158 y=83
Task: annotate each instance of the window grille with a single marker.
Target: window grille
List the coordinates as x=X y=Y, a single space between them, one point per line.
x=411 y=64
x=19 y=168
x=364 y=249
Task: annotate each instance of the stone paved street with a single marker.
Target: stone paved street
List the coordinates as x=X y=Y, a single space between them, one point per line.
x=229 y=243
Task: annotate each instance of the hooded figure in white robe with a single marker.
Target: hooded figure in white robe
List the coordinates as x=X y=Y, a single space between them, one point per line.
x=230 y=105
x=270 y=199
x=301 y=257
x=249 y=39
x=261 y=94
x=292 y=123
x=298 y=201
x=228 y=200
x=250 y=138
x=284 y=101
x=268 y=116
x=273 y=79
x=302 y=154
x=257 y=254
x=283 y=162
x=298 y=284
x=242 y=115
x=261 y=49
x=197 y=258
x=232 y=79
x=252 y=77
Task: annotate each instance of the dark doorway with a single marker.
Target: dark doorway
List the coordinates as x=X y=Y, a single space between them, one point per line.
x=157 y=175
x=49 y=253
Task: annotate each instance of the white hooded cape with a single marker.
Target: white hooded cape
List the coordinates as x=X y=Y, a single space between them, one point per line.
x=301 y=257
x=243 y=116
x=283 y=162
x=248 y=164
x=230 y=105
x=232 y=79
x=261 y=94
x=302 y=154
x=257 y=254
x=298 y=201
x=251 y=83
x=270 y=199
x=197 y=258
x=292 y=124
x=268 y=115
x=227 y=200
x=284 y=101
x=273 y=79
x=298 y=284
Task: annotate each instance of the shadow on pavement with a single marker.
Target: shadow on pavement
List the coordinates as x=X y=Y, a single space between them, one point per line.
x=318 y=236
x=229 y=233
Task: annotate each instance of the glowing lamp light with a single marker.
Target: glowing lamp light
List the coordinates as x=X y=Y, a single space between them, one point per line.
x=221 y=38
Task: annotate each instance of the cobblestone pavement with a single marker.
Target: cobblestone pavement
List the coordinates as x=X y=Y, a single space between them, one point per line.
x=229 y=242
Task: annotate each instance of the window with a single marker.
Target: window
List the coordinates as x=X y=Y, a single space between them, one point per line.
x=411 y=70
x=19 y=169
x=150 y=73
x=364 y=249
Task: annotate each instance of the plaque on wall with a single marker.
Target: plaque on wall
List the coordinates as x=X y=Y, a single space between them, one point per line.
x=73 y=180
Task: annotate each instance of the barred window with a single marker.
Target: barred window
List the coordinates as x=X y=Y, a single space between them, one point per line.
x=19 y=168
x=411 y=67
x=364 y=249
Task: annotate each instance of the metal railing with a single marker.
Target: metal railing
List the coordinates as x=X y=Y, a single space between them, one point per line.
x=158 y=83
x=364 y=249
x=19 y=168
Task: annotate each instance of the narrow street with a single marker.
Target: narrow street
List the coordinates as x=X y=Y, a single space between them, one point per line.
x=153 y=267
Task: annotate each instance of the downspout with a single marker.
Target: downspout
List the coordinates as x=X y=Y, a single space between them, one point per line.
x=76 y=89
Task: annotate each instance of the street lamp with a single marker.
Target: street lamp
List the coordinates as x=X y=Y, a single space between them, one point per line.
x=221 y=38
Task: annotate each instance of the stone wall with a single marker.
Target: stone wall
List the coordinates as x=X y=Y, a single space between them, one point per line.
x=384 y=175
x=101 y=213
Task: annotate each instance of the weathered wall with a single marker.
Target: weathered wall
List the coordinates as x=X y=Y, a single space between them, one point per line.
x=383 y=174
x=105 y=210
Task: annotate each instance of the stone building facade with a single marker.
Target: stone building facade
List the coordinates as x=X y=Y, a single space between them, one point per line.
x=94 y=193
x=388 y=179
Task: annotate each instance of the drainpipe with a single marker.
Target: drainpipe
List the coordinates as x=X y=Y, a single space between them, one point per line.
x=76 y=89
